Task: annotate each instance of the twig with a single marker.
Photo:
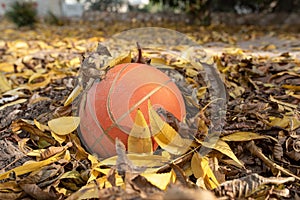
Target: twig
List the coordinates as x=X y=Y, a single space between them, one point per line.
x=257 y=152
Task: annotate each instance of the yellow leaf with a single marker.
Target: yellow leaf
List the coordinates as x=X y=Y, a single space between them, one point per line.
x=140 y=160
x=123 y=58
x=67 y=155
x=93 y=189
x=59 y=138
x=74 y=62
x=94 y=160
x=139 y=140
x=32 y=166
x=242 y=136
x=191 y=72
x=40 y=126
x=70 y=174
x=104 y=171
x=36 y=153
x=210 y=180
x=292 y=87
x=94 y=171
x=280 y=122
x=294 y=124
x=4 y=84
x=224 y=148
x=197 y=166
x=19 y=101
x=42 y=84
x=6 y=67
x=160 y=180
x=201 y=169
x=165 y=136
x=88 y=191
x=35 y=76
x=64 y=125
x=76 y=91
x=269 y=47
x=157 y=61
x=201 y=92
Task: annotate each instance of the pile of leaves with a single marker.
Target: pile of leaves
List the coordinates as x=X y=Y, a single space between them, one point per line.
x=42 y=157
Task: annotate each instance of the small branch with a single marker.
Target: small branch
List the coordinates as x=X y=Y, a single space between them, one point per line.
x=257 y=152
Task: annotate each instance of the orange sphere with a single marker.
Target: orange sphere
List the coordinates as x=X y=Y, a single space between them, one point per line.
x=111 y=104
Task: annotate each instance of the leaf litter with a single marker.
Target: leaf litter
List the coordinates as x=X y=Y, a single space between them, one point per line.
x=256 y=156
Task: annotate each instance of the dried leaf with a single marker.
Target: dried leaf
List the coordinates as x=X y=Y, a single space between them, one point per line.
x=139 y=140
x=224 y=148
x=123 y=58
x=64 y=125
x=19 y=101
x=242 y=136
x=37 y=193
x=24 y=125
x=243 y=187
x=74 y=94
x=140 y=160
x=32 y=166
x=165 y=136
x=160 y=180
x=54 y=150
x=38 y=85
x=291 y=87
x=201 y=169
x=59 y=138
x=40 y=126
x=280 y=122
x=4 y=84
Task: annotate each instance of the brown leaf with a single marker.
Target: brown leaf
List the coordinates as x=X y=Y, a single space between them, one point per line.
x=51 y=151
x=23 y=125
x=36 y=192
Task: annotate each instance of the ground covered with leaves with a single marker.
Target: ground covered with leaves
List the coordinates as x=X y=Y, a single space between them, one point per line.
x=256 y=157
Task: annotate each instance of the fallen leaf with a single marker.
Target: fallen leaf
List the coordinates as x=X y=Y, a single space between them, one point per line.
x=139 y=139
x=225 y=149
x=242 y=136
x=74 y=94
x=165 y=136
x=19 y=101
x=160 y=180
x=54 y=150
x=64 y=125
x=201 y=169
x=123 y=58
x=140 y=160
x=31 y=166
x=4 y=84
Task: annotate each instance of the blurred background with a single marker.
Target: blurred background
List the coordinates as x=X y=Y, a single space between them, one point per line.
x=202 y=12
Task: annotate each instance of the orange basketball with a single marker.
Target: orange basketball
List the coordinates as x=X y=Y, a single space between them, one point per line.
x=111 y=104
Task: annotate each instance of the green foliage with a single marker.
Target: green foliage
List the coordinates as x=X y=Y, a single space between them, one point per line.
x=22 y=14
